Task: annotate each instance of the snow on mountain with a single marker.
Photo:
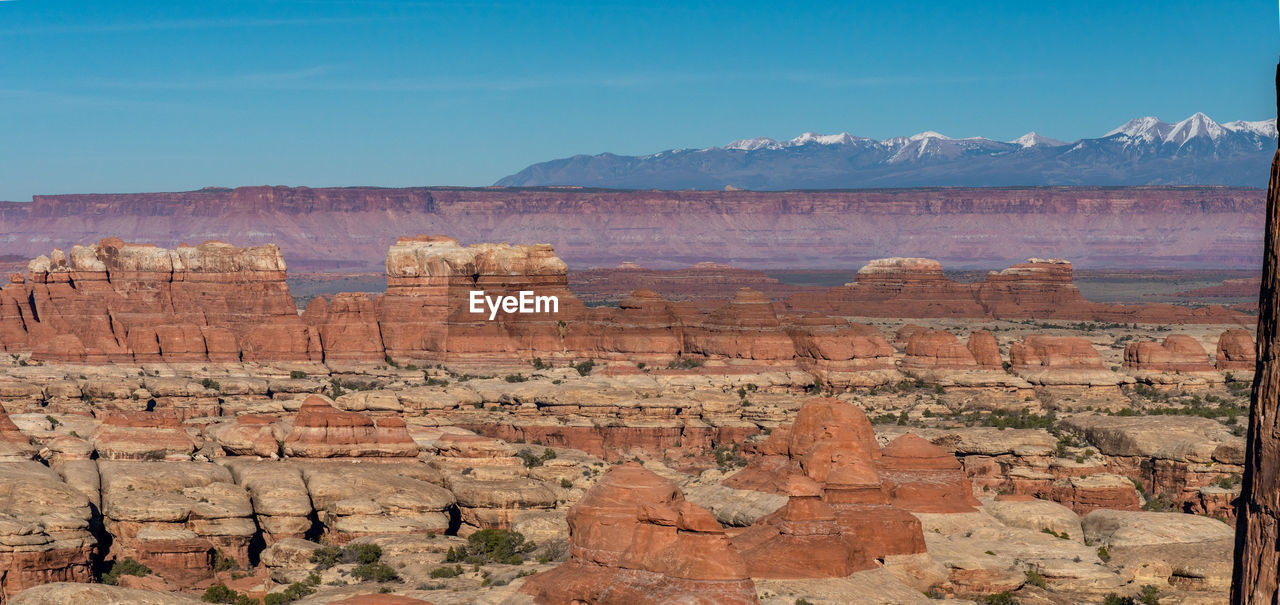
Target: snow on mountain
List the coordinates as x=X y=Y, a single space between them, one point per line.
x=1146 y=150
x=1034 y=139
x=1262 y=128
x=754 y=144
x=807 y=138
x=1149 y=129
x=1198 y=125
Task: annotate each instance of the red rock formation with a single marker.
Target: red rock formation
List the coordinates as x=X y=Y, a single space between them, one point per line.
x=837 y=352
x=802 y=540
x=1229 y=288
x=13 y=443
x=895 y=287
x=426 y=312
x=142 y=436
x=643 y=328
x=937 y=349
x=1178 y=353
x=114 y=301
x=1038 y=288
x=347 y=326
x=634 y=539
x=905 y=333
x=746 y=328
x=1086 y=494
x=986 y=353
x=22 y=570
x=832 y=443
x=1236 y=351
x=323 y=431
x=923 y=478
x=1063 y=352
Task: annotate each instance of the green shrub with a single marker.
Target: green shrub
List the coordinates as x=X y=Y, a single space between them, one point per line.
x=362 y=554
x=531 y=459
x=566 y=484
x=219 y=593
x=375 y=572
x=1000 y=598
x=1115 y=599
x=211 y=384
x=516 y=378
x=296 y=374
x=1150 y=595
x=492 y=546
x=222 y=562
x=538 y=365
x=585 y=367
x=1035 y=579
x=295 y=591
x=326 y=557
x=447 y=572
x=127 y=567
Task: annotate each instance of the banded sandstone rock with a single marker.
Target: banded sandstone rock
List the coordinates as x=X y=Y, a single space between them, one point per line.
x=634 y=539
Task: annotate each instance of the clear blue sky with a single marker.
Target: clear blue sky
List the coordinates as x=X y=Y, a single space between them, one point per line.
x=175 y=95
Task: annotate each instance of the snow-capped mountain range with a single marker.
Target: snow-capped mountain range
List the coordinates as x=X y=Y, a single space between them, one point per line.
x=1142 y=151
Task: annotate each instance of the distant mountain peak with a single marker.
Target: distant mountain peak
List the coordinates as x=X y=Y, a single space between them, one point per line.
x=928 y=134
x=1148 y=128
x=1035 y=139
x=1143 y=151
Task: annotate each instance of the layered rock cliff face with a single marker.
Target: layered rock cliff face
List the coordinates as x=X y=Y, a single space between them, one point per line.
x=352 y=227
x=118 y=302
x=1038 y=288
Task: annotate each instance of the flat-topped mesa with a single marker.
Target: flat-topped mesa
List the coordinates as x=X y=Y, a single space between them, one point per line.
x=440 y=259
x=1236 y=351
x=894 y=287
x=430 y=310
x=1177 y=354
x=119 y=302
x=1038 y=288
x=633 y=538
x=1060 y=360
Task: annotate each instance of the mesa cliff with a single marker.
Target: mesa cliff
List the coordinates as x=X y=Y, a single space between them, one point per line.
x=350 y=228
x=118 y=302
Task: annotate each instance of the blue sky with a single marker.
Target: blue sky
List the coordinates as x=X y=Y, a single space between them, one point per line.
x=162 y=96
